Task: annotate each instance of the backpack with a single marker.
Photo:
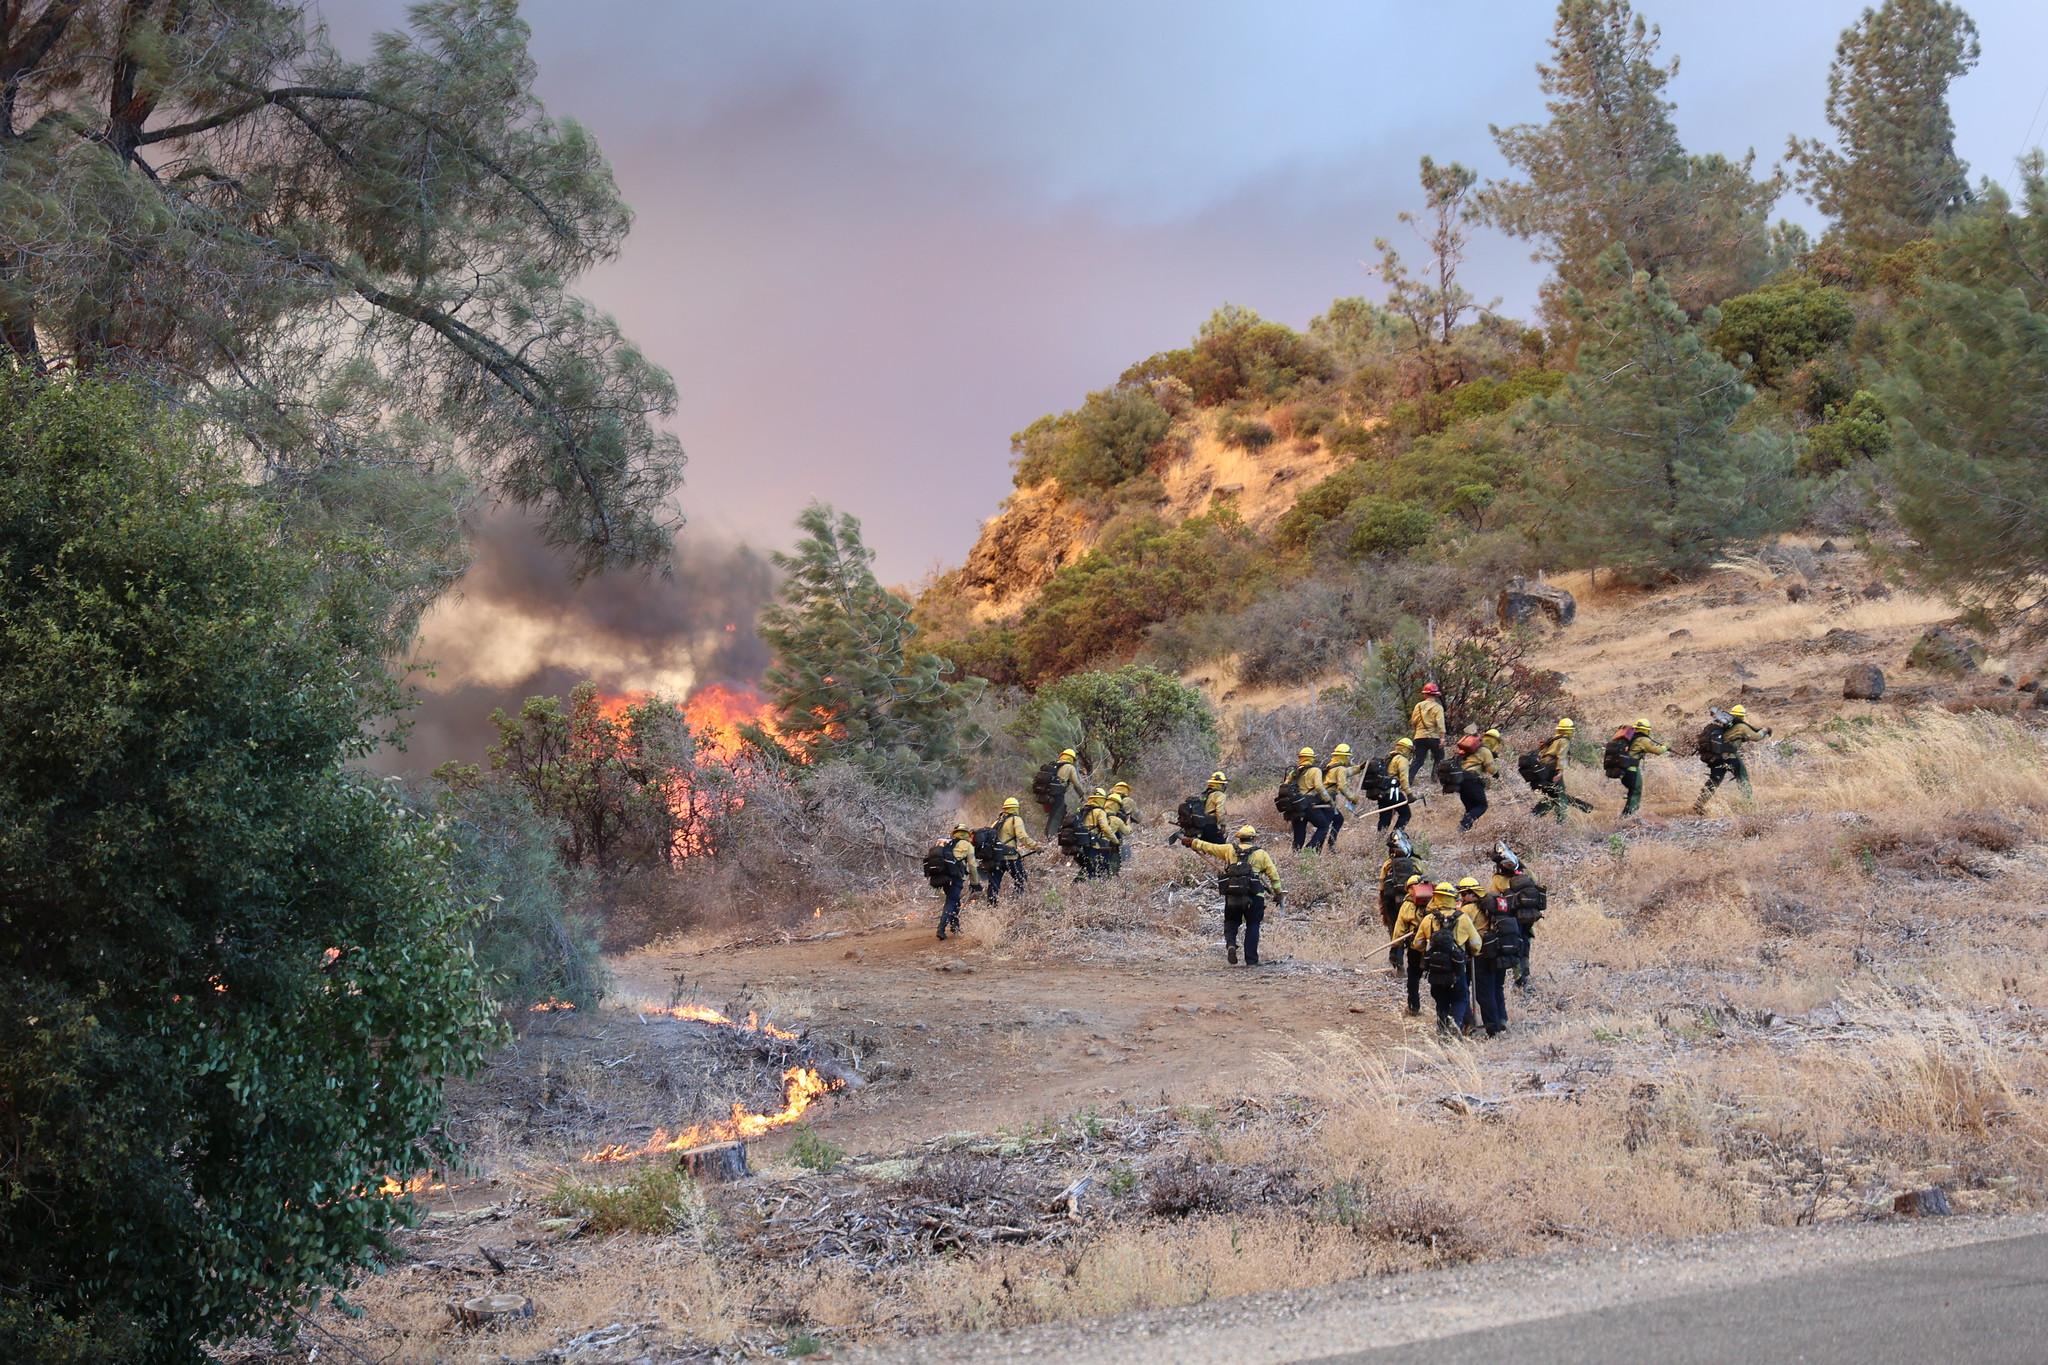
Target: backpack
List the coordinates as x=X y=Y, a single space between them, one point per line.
x=1395 y=884
x=1071 y=834
x=1712 y=750
x=1614 y=759
x=1450 y=777
x=1242 y=887
x=1445 y=956
x=1289 y=800
x=988 y=847
x=941 y=868
x=1468 y=745
x=1503 y=941
x=1193 y=815
x=1045 y=785
x=1374 y=781
x=1534 y=770
x=1527 y=900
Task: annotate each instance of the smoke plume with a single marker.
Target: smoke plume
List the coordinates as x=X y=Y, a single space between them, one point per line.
x=519 y=625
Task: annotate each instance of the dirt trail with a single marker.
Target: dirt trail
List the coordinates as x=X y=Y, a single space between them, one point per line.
x=952 y=1038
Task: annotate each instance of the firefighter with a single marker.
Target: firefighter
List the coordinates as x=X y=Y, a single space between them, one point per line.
x=1415 y=903
x=1127 y=811
x=1446 y=941
x=1500 y=939
x=1526 y=897
x=1398 y=806
x=1641 y=743
x=1312 y=804
x=1477 y=770
x=1400 y=868
x=1491 y=739
x=1727 y=756
x=1108 y=829
x=1069 y=796
x=1212 y=806
x=966 y=875
x=1556 y=757
x=1336 y=778
x=1013 y=841
x=1426 y=719
x=1244 y=895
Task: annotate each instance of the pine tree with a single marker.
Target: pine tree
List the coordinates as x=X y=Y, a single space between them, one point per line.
x=1968 y=384
x=1432 y=308
x=848 y=681
x=1649 y=470
x=1608 y=168
x=1894 y=172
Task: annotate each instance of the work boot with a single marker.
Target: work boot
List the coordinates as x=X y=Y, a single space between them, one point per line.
x=1230 y=953
x=942 y=931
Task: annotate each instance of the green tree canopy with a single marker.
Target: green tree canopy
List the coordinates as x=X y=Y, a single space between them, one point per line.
x=1432 y=305
x=1648 y=470
x=1968 y=386
x=235 y=971
x=1608 y=168
x=849 y=681
x=342 y=264
x=1893 y=172
x=1122 y=713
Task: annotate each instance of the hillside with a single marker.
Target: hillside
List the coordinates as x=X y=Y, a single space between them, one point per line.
x=1784 y=1014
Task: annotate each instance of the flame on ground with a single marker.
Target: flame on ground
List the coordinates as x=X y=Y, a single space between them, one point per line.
x=392 y=1187
x=801 y=1087
x=704 y=1014
x=553 y=1006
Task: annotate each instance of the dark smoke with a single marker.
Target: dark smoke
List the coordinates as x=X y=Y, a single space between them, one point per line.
x=519 y=625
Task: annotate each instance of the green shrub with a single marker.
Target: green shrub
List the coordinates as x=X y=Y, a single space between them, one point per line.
x=1486 y=396
x=1783 y=326
x=654 y=1197
x=1245 y=432
x=814 y=1153
x=1383 y=526
x=1854 y=432
x=1124 y=712
x=1239 y=355
x=1108 y=440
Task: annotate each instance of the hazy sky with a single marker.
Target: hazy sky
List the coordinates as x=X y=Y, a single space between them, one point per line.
x=875 y=238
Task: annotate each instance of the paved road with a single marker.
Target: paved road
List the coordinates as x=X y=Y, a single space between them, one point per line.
x=1984 y=1303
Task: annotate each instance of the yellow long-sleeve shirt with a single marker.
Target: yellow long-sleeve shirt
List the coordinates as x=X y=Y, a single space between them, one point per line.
x=1261 y=861
x=1557 y=752
x=1645 y=745
x=1336 y=778
x=1397 y=773
x=1105 y=824
x=1212 y=804
x=1480 y=761
x=1741 y=732
x=1011 y=834
x=1068 y=781
x=1427 y=719
x=1462 y=931
x=963 y=853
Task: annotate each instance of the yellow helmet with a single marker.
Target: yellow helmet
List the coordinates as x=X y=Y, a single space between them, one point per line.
x=1306 y=754
x=1114 y=800
x=1066 y=755
x=1491 y=734
x=1642 y=723
x=1247 y=832
x=1404 y=743
x=1098 y=793
x=1468 y=884
x=1341 y=751
x=1737 y=711
x=1122 y=789
x=1565 y=726
x=1097 y=799
x=959 y=830
x=1009 y=803
x=1412 y=880
x=1446 y=889
x=1218 y=780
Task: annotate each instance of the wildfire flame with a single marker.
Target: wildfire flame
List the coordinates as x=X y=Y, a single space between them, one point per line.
x=392 y=1188
x=704 y=1014
x=801 y=1086
x=553 y=1006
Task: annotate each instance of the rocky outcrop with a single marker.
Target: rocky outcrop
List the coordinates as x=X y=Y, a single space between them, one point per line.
x=1863 y=682
x=1522 y=601
x=1942 y=650
x=1025 y=544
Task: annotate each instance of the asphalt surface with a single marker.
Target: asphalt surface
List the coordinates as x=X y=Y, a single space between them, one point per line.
x=1984 y=1303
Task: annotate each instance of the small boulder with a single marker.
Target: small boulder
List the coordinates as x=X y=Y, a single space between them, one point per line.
x=1863 y=682
x=1797 y=592
x=1521 y=600
x=1942 y=650
x=1875 y=590
x=1931 y=1202
x=1827 y=547
x=1680 y=634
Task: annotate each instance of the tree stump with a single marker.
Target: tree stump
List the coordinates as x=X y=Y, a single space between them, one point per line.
x=1931 y=1202
x=490 y=1310
x=717 y=1164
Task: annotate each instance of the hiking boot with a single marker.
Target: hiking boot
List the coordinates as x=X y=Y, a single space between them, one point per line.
x=942 y=931
x=1230 y=953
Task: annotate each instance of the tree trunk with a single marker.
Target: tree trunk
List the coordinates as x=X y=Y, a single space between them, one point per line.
x=490 y=1310
x=718 y=1164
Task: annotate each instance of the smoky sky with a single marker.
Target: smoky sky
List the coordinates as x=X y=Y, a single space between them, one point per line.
x=521 y=625
x=873 y=239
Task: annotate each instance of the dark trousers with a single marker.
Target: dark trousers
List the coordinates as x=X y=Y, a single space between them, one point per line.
x=1452 y=1005
x=949 y=914
x=1632 y=783
x=1319 y=819
x=1396 y=818
x=1014 y=867
x=1251 y=919
x=1055 y=817
x=1433 y=749
x=1387 y=918
x=1414 y=981
x=1336 y=824
x=1472 y=793
x=1489 y=982
x=1720 y=773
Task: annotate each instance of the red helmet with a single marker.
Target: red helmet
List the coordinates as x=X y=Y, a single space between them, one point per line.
x=1431 y=690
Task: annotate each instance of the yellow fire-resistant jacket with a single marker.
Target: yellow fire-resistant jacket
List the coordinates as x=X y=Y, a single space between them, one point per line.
x=1427 y=718
x=1557 y=752
x=1645 y=745
x=1069 y=783
x=1336 y=778
x=1461 y=929
x=963 y=851
x=1480 y=761
x=1741 y=732
x=1397 y=772
x=1010 y=833
x=1261 y=861
x=1212 y=804
x=1105 y=824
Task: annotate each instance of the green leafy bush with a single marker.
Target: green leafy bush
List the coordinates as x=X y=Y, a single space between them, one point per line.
x=1854 y=432
x=1783 y=326
x=1245 y=432
x=1383 y=526
x=653 y=1198
x=236 y=970
x=1123 y=712
x=1239 y=355
x=814 y=1153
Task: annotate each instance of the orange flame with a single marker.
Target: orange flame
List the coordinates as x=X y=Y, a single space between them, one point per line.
x=553 y=1006
x=801 y=1087
x=704 y=1014
x=391 y=1187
